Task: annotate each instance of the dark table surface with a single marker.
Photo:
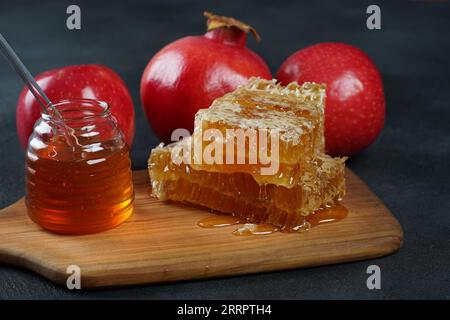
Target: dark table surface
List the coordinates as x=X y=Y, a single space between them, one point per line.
x=408 y=166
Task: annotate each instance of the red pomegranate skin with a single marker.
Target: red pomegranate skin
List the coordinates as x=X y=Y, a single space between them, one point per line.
x=355 y=103
x=191 y=72
x=88 y=81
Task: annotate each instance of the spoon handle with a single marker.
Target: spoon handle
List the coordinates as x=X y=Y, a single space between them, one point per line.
x=26 y=76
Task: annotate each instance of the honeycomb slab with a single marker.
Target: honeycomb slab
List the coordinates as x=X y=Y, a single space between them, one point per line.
x=234 y=182
x=236 y=193
x=254 y=119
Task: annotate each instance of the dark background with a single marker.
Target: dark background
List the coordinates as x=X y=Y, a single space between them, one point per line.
x=408 y=166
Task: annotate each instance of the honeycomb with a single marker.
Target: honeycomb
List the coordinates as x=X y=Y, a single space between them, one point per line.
x=306 y=180
x=292 y=115
x=322 y=184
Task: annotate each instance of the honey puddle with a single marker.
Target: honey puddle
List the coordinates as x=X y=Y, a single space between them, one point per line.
x=218 y=220
x=249 y=229
x=321 y=216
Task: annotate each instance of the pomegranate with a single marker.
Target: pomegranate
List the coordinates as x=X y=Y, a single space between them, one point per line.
x=191 y=72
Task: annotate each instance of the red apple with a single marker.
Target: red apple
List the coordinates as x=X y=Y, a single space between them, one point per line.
x=88 y=81
x=355 y=104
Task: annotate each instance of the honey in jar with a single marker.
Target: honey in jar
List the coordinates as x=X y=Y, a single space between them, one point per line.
x=78 y=170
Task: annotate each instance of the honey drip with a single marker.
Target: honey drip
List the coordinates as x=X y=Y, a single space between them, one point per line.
x=218 y=220
x=322 y=216
x=327 y=215
x=250 y=229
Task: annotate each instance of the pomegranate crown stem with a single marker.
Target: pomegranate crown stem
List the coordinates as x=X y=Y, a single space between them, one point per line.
x=216 y=22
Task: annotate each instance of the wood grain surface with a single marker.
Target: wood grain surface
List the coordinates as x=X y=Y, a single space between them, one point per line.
x=162 y=242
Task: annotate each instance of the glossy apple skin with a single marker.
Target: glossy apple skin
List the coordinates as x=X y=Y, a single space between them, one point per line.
x=190 y=73
x=355 y=103
x=81 y=81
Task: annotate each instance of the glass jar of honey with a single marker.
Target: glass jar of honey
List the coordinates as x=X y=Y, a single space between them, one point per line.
x=78 y=170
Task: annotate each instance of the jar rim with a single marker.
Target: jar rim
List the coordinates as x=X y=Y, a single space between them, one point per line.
x=94 y=109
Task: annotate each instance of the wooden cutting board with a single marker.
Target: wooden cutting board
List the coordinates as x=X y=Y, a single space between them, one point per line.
x=162 y=242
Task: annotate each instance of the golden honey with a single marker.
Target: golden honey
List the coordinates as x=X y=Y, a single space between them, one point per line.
x=324 y=215
x=78 y=174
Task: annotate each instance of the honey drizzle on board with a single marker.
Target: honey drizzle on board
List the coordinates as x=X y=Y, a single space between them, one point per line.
x=322 y=216
x=219 y=220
